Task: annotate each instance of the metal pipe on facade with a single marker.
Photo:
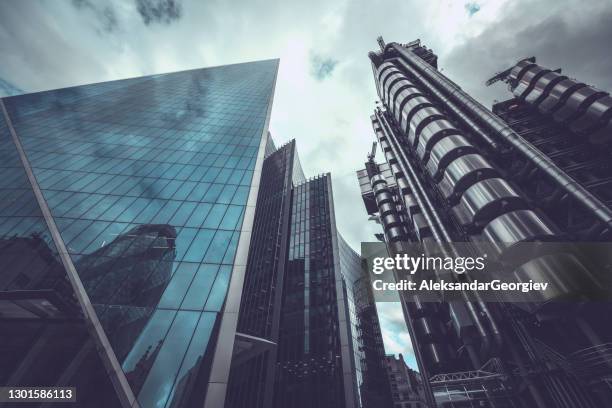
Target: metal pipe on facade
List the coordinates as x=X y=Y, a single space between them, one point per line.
x=427 y=207
x=499 y=128
x=496 y=334
x=428 y=391
x=421 y=197
x=454 y=108
x=431 y=216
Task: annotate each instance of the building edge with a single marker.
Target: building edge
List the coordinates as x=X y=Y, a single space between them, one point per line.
x=222 y=356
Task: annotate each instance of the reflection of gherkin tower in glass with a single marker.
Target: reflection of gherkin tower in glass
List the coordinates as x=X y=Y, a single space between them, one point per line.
x=125 y=217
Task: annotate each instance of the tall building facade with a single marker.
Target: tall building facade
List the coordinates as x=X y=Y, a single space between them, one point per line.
x=126 y=216
x=406 y=384
x=454 y=171
x=305 y=305
x=571 y=123
x=158 y=250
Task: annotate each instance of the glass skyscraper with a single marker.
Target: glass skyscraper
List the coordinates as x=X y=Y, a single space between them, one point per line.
x=126 y=213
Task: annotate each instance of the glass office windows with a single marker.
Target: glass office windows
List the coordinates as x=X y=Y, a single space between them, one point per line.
x=147 y=180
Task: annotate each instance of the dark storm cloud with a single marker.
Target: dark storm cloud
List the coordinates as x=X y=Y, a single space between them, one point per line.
x=159 y=11
x=573 y=35
x=105 y=14
x=45 y=48
x=320 y=67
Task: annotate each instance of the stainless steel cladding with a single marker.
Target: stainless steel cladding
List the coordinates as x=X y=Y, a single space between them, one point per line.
x=528 y=80
x=542 y=87
x=486 y=200
x=514 y=227
x=576 y=104
x=558 y=95
x=412 y=106
x=445 y=151
x=586 y=109
x=455 y=171
x=396 y=91
x=596 y=116
x=389 y=216
x=462 y=173
x=431 y=134
x=455 y=164
x=564 y=273
x=490 y=128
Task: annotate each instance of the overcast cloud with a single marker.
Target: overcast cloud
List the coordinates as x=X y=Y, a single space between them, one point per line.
x=325 y=92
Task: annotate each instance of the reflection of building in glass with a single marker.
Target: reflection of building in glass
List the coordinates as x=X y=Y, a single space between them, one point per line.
x=125 y=280
x=125 y=216
x=301 y=340
x=406 y=384
x=43 y=335
x=454 y=171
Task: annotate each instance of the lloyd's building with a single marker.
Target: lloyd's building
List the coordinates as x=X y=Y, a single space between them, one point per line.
x=534 y=170
x=158 y=250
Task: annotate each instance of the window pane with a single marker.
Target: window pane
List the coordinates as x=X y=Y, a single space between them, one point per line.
x=199 y=246
x=219 y=289
x=217 y=249
x=182 y=214
x=175 y=292
x=156 y=388
x=151 y=336
x=199 y=215
x=183 y=241
x=188 y=372
x=198 y=291
x=232 y=215
x=215 y=215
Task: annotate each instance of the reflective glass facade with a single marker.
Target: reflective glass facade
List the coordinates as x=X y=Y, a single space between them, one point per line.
x=146 y=181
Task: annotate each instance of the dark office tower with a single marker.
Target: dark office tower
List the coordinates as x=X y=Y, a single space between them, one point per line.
x=254 y=362
x=456 y=172
x=374 y=388
x=317 y=348
x=406 y=384
x=126 y=214
x=307 y=334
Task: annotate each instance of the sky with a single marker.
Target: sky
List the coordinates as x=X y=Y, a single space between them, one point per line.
x=325 y=89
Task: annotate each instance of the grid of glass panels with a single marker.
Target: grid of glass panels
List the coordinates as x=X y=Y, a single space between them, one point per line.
x=43 y=337
x=309 y=356
x=147 y=180
x=20 y=216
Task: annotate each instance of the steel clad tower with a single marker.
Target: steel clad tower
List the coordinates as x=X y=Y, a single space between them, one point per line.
x=456 y=172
